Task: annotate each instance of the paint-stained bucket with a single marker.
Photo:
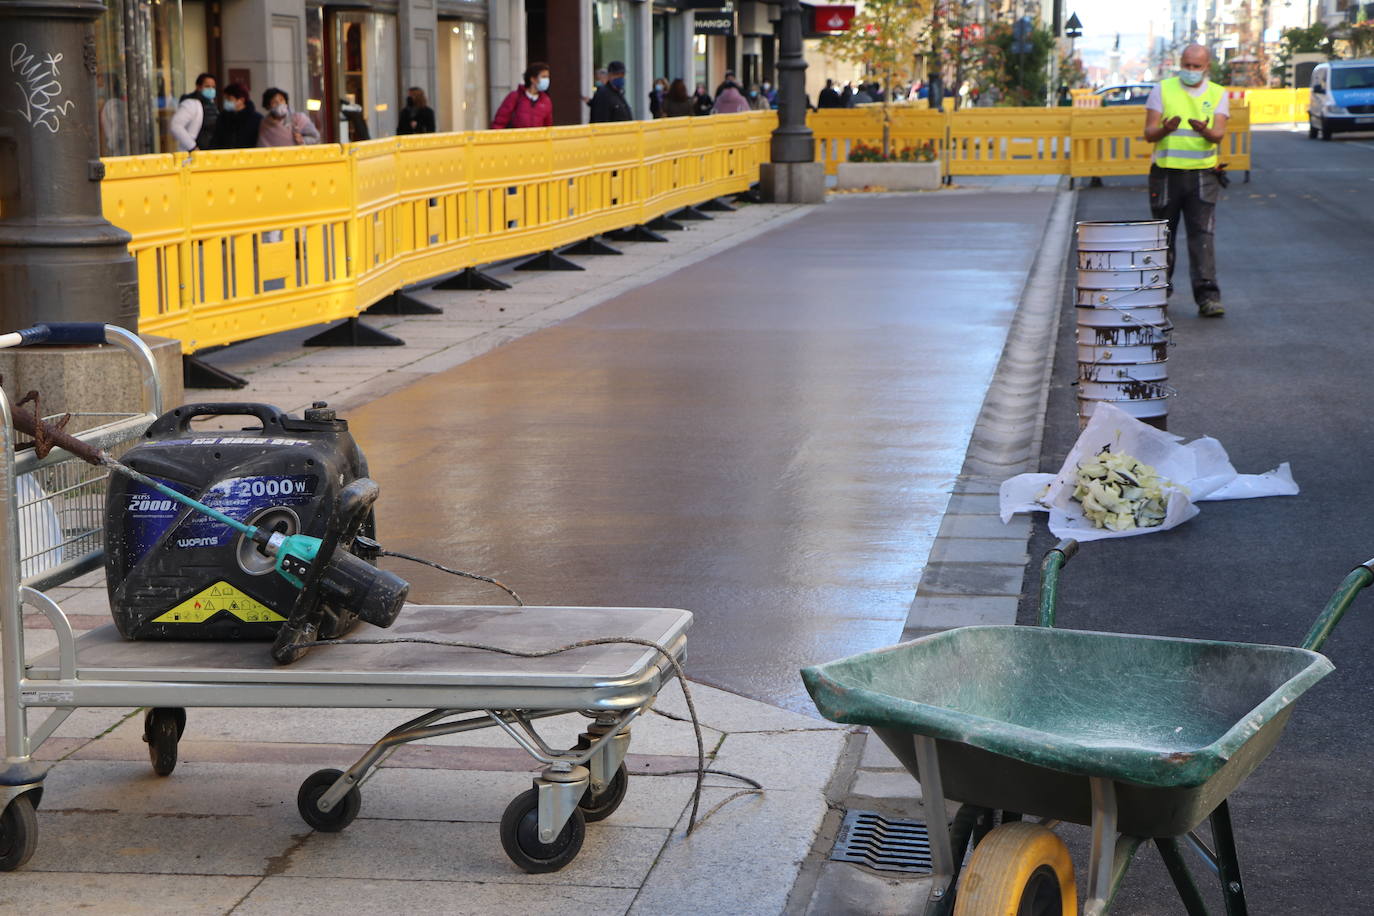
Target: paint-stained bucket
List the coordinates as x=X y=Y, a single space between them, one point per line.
x=1118 y=373
x=1152 y=410
x=1122 y=356
x=1142 y=235
x=1123 y=260
x=1150 y=278
x=1123 y=337
x=1156 y=318
x=1098 y=298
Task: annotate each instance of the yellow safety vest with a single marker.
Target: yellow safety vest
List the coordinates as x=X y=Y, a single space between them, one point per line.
x=1185 y=148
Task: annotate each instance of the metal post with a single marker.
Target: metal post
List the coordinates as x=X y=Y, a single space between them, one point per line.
x=792 y=140
x=942 y=861
x=60 y=260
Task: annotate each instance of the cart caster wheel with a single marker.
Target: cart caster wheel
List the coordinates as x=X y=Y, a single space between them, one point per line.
x=338 y=817
x=18 y=833
x=520 y=836
x=597 y=806
x=1019 y=868
x=162 y=728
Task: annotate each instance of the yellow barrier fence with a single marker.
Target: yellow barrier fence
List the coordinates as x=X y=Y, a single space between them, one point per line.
x=1078 y=142
x=236 y=244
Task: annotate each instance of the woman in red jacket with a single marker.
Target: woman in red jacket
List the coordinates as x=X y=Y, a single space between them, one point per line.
x=530 y=105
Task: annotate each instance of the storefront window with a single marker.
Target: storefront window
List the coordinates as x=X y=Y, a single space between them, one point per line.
x=138 y=72
x=364 y=74
x=314 y=72
x=613 y=38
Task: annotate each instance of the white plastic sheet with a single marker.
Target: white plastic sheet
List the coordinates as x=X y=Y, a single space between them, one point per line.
x=1197 y=471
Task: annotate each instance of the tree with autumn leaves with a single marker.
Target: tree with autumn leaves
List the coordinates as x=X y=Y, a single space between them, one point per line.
x=882 y=39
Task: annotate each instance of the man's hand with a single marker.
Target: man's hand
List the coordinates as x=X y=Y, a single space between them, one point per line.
x=1172 y=124
x=1211 y=134
x=1157 y=129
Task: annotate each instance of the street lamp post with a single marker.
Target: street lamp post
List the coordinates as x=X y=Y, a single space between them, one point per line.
x=794 y=175
x=60 y=260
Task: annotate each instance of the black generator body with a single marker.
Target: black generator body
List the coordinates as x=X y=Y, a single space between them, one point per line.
x=174 y=573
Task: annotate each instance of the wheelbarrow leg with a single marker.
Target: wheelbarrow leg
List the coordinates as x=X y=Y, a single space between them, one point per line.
x=1103 y=848
x=942 y=861
x=1228 y=866
x=1183 y=879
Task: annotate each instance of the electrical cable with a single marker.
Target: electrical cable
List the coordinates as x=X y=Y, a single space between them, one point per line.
x=453 y=572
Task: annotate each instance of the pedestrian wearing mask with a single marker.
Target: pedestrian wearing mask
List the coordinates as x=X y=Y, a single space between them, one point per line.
x=530 y=105
x=609 y=102
x=656 y=97
x=193 y=123
x=770 y=94
x=702 y=103
x=416 y=117
x=283 y=127
x=239 y=121
x=1185 y=118
x=757 y=100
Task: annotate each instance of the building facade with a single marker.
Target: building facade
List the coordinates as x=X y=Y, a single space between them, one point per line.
x=359 y=57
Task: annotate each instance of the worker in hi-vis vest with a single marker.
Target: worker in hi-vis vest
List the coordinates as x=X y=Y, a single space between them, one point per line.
x=1185 y=118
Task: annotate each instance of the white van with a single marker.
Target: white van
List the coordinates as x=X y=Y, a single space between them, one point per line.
x=1342 y=97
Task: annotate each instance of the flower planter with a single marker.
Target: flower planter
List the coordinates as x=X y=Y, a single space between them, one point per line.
x=895 y=176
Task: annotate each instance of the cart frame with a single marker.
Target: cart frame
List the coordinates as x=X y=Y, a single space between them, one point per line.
x=612 y=686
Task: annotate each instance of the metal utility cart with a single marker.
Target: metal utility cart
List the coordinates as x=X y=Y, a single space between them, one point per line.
x=465 y=689
x=1141 y=737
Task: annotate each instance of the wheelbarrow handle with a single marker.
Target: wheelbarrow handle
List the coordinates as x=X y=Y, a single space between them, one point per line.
x=1340 y=602
x=1054 y=560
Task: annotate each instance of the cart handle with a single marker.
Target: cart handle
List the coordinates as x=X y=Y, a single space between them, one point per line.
x=1340 y=602
x=1055 y=558
x=56 y=332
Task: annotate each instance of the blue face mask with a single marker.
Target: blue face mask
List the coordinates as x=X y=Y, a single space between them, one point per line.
x=208 y=93
x=230 y=106
x=618 y=82
x=1191 y=77
x=542 y=84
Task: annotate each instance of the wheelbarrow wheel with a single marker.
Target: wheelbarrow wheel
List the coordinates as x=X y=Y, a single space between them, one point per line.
x=337 y=817
x=1019 y=868
x=162 y=728
x=18 y=833
x=520 y=836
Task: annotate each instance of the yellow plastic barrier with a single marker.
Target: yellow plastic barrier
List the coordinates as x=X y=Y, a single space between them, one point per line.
x=1274 y=106
x=838 y=130
x=237 y=244
x=1009 y=141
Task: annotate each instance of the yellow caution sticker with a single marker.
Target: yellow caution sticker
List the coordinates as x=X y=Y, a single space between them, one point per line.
x=219 y=598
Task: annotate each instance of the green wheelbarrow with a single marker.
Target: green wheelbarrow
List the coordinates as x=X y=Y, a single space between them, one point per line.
x=1140 y=737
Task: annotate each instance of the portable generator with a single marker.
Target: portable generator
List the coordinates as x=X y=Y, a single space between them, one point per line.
x=177 y=573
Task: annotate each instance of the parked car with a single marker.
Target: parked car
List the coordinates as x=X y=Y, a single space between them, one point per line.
x=1342 y=97
x=1125 y=94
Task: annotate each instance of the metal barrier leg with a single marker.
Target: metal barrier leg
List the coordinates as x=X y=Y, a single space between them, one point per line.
x=353 y=333
x=196 y=373
x=591 y=246
x=663 y=224
x=402 y=303
x=635 y=234
x=716 y=205
x=690 y=213
x=471 y=279
x=548 y=260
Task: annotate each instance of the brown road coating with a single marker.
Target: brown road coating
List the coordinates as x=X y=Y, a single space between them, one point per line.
x=767 y=438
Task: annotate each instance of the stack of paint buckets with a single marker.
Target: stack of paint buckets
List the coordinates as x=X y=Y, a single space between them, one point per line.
x=1123 y=323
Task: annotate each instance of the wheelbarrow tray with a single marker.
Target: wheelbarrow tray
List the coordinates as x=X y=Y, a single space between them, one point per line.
x=1023 y=716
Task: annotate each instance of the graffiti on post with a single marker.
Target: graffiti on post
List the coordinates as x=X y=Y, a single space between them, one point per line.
x=39 y=85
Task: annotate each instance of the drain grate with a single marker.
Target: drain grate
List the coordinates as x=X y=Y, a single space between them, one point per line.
x=868 y=838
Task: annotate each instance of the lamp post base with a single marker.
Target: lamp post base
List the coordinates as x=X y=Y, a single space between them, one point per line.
x=792 y=182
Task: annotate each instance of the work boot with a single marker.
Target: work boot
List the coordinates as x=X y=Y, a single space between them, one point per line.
x=1211 y=309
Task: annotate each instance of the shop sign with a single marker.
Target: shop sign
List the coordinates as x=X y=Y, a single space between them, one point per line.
x=714 y=22
x=833 y=18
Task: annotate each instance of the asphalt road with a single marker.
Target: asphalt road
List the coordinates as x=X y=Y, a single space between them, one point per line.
x=1285 y=376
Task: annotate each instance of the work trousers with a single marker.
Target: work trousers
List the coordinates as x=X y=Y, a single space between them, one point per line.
x=1191 y=194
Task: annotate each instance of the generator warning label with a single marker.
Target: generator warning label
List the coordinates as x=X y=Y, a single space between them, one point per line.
x=220 y=597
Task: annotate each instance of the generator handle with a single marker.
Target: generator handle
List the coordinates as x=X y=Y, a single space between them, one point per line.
x=179 y=419
x=302 y=624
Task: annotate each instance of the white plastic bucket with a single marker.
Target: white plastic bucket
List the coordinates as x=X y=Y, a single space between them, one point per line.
x=1133 y=336
x=1154 y=411
x=1097 y=298
x=1123 y=260
x=1151 y=278
x=1097 y=235
x=1117 y=373
x=1123 y=356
